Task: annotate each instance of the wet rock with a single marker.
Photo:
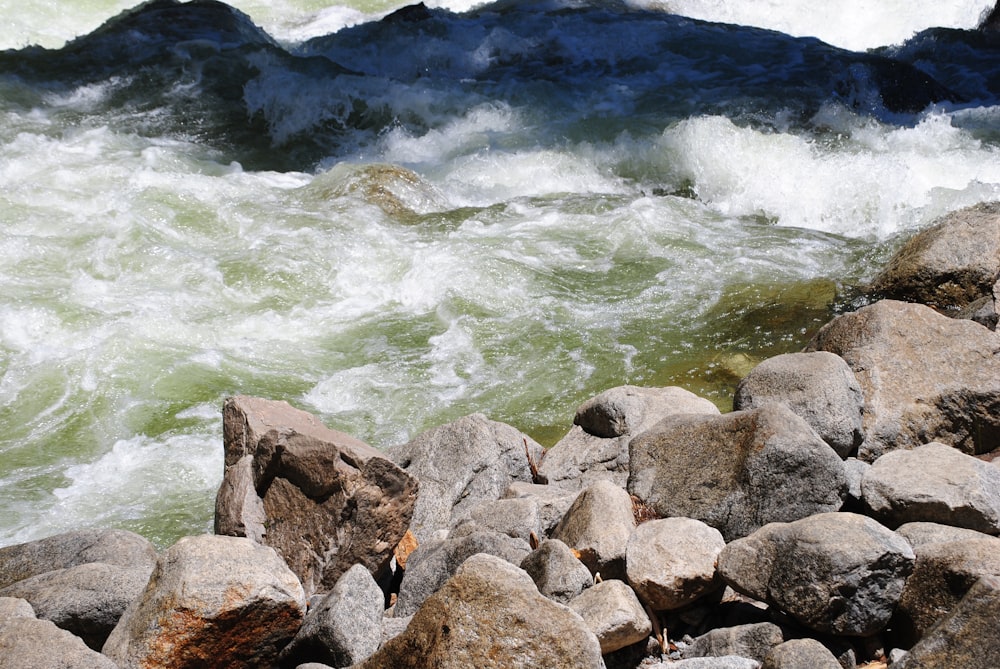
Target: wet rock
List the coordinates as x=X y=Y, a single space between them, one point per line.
x=817 y=386
x=799 y=654
x=925 y=377
x=344 y=628
x=460 y=465
x=613 y=613
x=556 y=571
x=934 y=483
x=670 y=562
x=597 y=446
x=212 y=601
x=324 y=500
x=490 y=616
x=29 y=643
x=434 y=562
x=598 y=526
x=736 y=472
x=835 y=573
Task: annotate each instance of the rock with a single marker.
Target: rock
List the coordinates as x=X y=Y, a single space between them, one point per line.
x=670 y=562
x=556 y=571
x=755 y=641
x=598 y=525
x=855 y=470
x=518 y=518
x=613 y=613
x=966 y=637
x=552 y=502
x=29 y=643
x=835 y=573
x=490 y=616
x=736 y=472
x=934 y=483
x=800 y=653
x=597 y=446
x=460 y=465
x=947 y=266
x=15 y=607
x=87 y=599
x=344 y=628
x=925 y=377
x=819 y=387
x=433 y=563
x=947 y=565
x=727 y=662
x=70 y=549
x=324 y=500
x=212 y=601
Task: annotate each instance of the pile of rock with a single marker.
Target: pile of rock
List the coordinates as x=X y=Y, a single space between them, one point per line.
x=845 y=512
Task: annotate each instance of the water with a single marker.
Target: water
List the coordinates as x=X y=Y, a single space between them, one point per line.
x=393 y=223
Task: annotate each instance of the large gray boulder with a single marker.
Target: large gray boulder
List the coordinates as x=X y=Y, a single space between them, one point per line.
x=835 y=573
x=598 y=526
x=925 y=377
x=490 y=616
x=755 y=641
x=817 y=386
x=966 y=637
x=934 y=483
x=670 y=562
x=212 y=601
x=949 y=265
x=736 y=472
x=552 y=501
x=460 y=465
x=556 y=571
x=344 y=628
x=800 y=654
x=29 y=643
x=614 y=614
x=323 y=499
x=597 y=445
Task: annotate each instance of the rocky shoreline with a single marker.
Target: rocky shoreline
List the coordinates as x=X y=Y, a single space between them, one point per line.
x=845 y=514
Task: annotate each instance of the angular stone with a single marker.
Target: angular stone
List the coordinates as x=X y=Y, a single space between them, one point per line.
x=670 y=562
x=736 y=472
x=30 y=643
x=552 y=502
x=344 y=628
x=613 y=613
x=835 y=573
x=212 y=601
x=966 y=637
x=800 y=653
x=925 y=377
x=556 y=571
x=433 y=563
x=598 y=525
x=490 y=616
x=727 y=662
x=518 y=518
x=934 y=483
x=15 y=607
x=324 y=500
x=755 y=641
x=460 y=465
x=819 y=387
x=597 y=446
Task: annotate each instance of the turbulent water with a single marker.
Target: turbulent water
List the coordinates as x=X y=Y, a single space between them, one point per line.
x=393 y=217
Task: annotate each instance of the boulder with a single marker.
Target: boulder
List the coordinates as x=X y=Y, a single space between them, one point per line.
x=799 y=654
x=727 y=662
x=552 y=502
x=212 y=601
x=86 y=599
x=613 y=613
x=29 y=643
x=556 y=571
x=490 y=616
x=934 y=483
x=70 y=549
x=597 y=446
x=736 y=472
x=518 y=518
x=598 y=526
x=966 y=637
x=947 y=565
x=925 y=377
x=344 y=628
x=15 y=607
x=755 y=641
x=324 y=500
x=954 y=262
x=817 y=386
x=434 y=562
x=835 y=573
x=670 y=562
x=460 y=465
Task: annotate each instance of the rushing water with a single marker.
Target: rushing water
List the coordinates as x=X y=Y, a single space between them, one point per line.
x=396 y=219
